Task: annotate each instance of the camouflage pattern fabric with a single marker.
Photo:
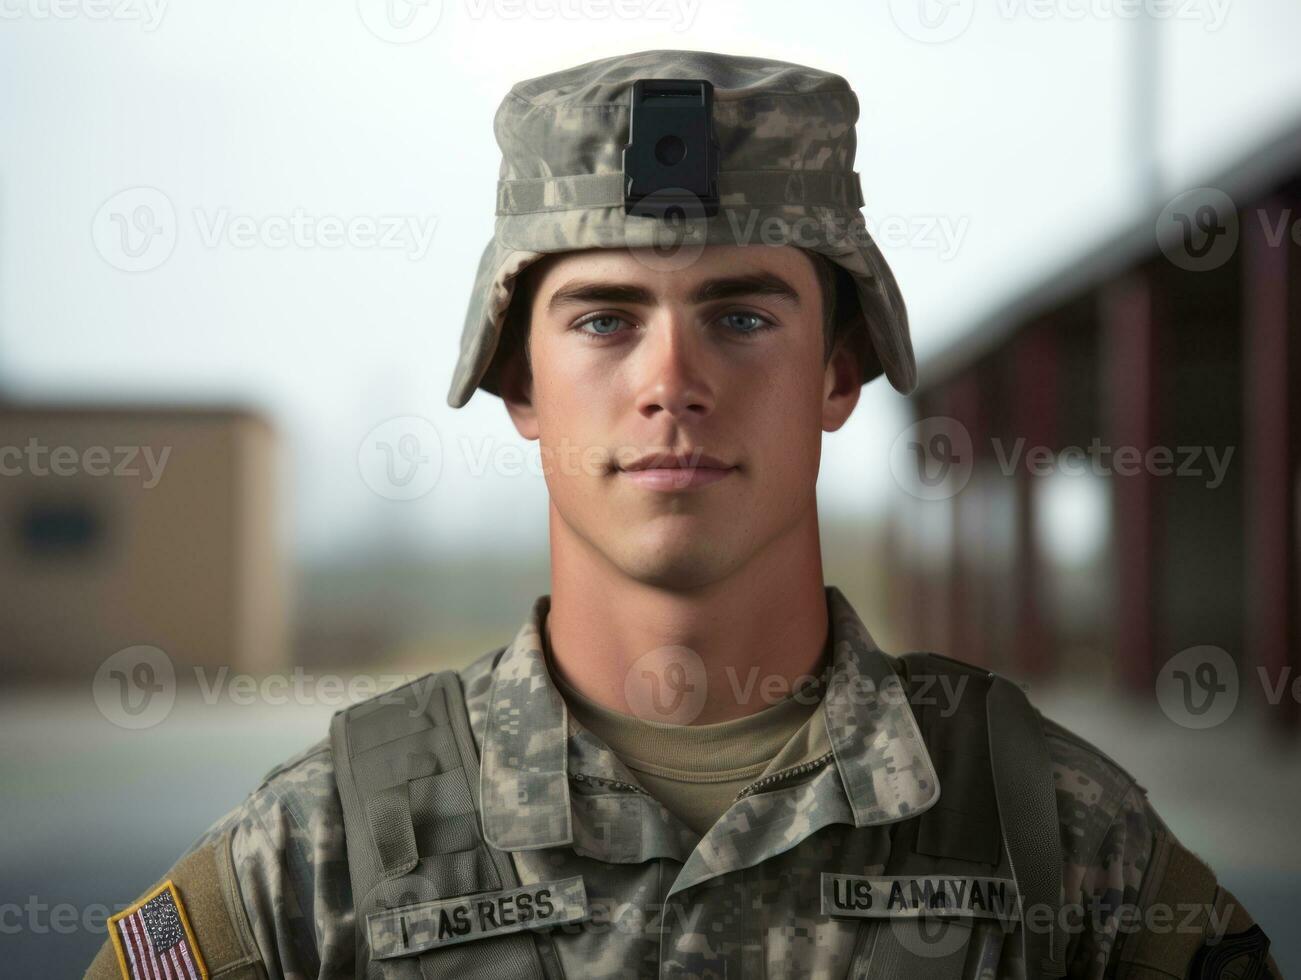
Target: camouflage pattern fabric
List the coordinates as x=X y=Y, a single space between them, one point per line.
x=741 y=901
x=787 y=142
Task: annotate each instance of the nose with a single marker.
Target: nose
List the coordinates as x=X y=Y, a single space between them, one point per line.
x=671 y=373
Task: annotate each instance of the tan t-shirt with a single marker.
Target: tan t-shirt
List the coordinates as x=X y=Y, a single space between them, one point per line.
x=697 y=770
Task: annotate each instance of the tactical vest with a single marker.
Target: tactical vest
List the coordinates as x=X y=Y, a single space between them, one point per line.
x=407 y=769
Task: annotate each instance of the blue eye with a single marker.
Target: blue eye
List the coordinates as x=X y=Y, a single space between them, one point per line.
x=740 y=323
x=756 y=323
x=606 y=318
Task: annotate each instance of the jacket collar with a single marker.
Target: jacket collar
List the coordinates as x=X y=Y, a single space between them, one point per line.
x=530 y=747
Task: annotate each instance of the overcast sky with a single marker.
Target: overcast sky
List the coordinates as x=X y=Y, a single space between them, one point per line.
x=995 y=144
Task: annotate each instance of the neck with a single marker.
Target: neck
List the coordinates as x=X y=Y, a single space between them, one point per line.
x=759 y=633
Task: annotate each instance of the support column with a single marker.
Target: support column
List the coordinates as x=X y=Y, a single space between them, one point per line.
x=1272 y=388
x=1036 y=419
x=1131 y=325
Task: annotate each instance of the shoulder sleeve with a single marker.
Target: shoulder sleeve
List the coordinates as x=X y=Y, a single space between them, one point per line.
x=1103 y=882
x=1106 y=846
x=1184 y=924
x=218 y=943
x=1138 y=905
x=266 y=887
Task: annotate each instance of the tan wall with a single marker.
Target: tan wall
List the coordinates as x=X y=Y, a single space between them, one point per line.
x=187 y=557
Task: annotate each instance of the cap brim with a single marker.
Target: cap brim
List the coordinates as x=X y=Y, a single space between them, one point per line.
x=883 y=309
x=877 y=290
x=494 y=285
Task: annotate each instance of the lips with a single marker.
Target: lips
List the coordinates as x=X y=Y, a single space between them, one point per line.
x=683 y=459
x=676 y=470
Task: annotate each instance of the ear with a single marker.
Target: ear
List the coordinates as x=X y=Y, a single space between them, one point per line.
x=515 y=386
x=842 y=383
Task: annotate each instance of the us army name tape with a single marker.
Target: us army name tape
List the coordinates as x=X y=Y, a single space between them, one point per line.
x=415 y=928
x=902 y=895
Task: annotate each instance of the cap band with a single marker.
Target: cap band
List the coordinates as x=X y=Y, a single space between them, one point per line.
x=755 y=188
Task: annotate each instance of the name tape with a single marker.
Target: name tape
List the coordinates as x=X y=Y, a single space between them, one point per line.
x=411 y=929
x=902 y=895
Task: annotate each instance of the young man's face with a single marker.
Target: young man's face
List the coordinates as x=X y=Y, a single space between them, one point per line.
x=720 y=364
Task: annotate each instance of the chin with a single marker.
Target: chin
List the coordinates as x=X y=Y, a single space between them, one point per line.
x=679 y=562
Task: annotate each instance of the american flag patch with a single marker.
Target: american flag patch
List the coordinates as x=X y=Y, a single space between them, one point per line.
x=154 y=941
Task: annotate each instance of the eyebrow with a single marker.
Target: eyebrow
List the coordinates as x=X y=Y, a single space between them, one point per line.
x=711 y=290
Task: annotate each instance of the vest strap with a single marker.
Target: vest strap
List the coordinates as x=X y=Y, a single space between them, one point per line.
x=407 y=770
x=1027 y=806
x=997 y=816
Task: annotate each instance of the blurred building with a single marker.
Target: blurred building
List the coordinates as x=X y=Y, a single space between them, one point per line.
x=1135 y=425
x=138 y=526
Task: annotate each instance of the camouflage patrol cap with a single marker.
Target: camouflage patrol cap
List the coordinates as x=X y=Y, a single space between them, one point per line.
x=786 y=143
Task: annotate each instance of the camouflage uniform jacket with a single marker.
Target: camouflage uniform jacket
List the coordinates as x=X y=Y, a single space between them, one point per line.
x=745 y=897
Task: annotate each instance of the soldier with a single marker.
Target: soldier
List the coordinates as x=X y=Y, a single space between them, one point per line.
x=692 y=760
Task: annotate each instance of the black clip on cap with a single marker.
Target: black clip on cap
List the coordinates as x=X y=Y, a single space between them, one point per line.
x=670 y=164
